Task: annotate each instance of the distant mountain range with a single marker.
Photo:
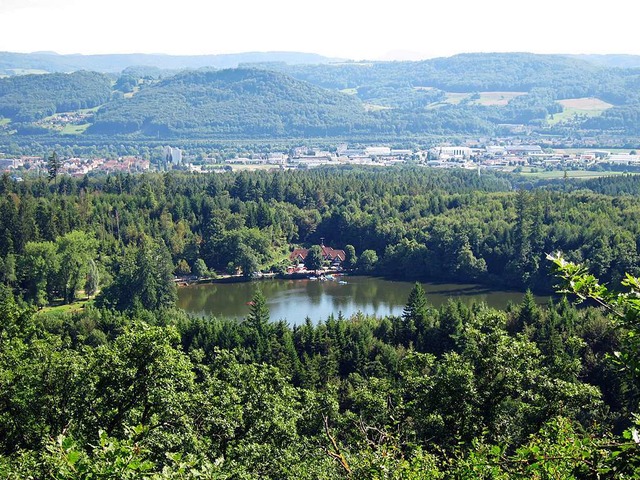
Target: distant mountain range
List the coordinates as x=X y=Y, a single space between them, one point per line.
x=280 y=95
x=50 y=62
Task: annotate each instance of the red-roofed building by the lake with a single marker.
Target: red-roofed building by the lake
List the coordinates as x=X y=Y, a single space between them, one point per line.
x=335 y=257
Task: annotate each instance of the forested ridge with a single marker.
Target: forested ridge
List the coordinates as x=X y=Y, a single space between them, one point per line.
x=231 y=102
x=468 y=94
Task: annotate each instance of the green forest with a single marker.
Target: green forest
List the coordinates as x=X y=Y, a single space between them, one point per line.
x=467 y=94
x=101 y=376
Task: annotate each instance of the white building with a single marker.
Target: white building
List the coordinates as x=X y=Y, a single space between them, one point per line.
x=453 y=152
x=523 y=149
x=277 y=158
x=172 y=155
x=623 y=159
x=377 y=151
x=495 y=150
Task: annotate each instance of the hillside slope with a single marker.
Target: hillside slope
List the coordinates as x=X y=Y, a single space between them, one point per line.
x=231 y=102
x=32 y=97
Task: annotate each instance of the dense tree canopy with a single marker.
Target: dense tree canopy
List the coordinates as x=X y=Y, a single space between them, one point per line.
x=129 y=386
x=32 y=97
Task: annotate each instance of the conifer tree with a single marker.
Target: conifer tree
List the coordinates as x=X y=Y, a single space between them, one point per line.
x=258 y=325
x=415 y=314
x=53 y=166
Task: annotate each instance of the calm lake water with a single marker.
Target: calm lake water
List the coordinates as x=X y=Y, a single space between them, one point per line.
x=294 y=300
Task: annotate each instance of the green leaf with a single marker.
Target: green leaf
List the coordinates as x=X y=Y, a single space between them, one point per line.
x=73 y=457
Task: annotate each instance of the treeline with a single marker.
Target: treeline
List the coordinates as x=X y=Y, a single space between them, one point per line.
x=435 y=393
x=407 y=223
x=464 y=73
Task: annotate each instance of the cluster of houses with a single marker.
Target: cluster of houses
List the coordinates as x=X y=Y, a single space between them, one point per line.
x=75 y=166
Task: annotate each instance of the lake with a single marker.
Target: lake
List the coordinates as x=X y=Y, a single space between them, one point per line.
x=294 y=300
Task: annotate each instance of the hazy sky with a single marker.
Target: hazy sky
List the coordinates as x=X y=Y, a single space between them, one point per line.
x=356 y=29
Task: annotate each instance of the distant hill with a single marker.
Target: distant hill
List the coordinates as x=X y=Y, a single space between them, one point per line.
x=13 y=63
x=231 y=102
x=468 y=94
x=467 y=72
x=32 y=97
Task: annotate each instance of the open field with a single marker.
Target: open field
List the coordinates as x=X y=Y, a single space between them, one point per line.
x=496 y=98
x=72 y=129
x=456 y=98
x=589 y=107
x=90 y=110
x=75 y=307
x=4 y=121
x=450 y=99
x=482 y=98
x=349 y=91
x=132 y=93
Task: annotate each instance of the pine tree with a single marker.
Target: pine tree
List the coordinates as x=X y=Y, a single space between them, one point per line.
x=259 y=315
x=53 y=166
x=415 y=314
x=451 y=323
x=258 y=324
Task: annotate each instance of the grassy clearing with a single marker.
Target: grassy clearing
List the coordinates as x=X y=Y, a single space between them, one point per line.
x=585 y=107
x=75 y=307
x=90 y=110
x=586 y=103
x=132 y=93
x=450 y=99
x=4 y=121
x=485 y=98
x=71 y=129
x=496 y=98
x=349 y=91
x=456 y=98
